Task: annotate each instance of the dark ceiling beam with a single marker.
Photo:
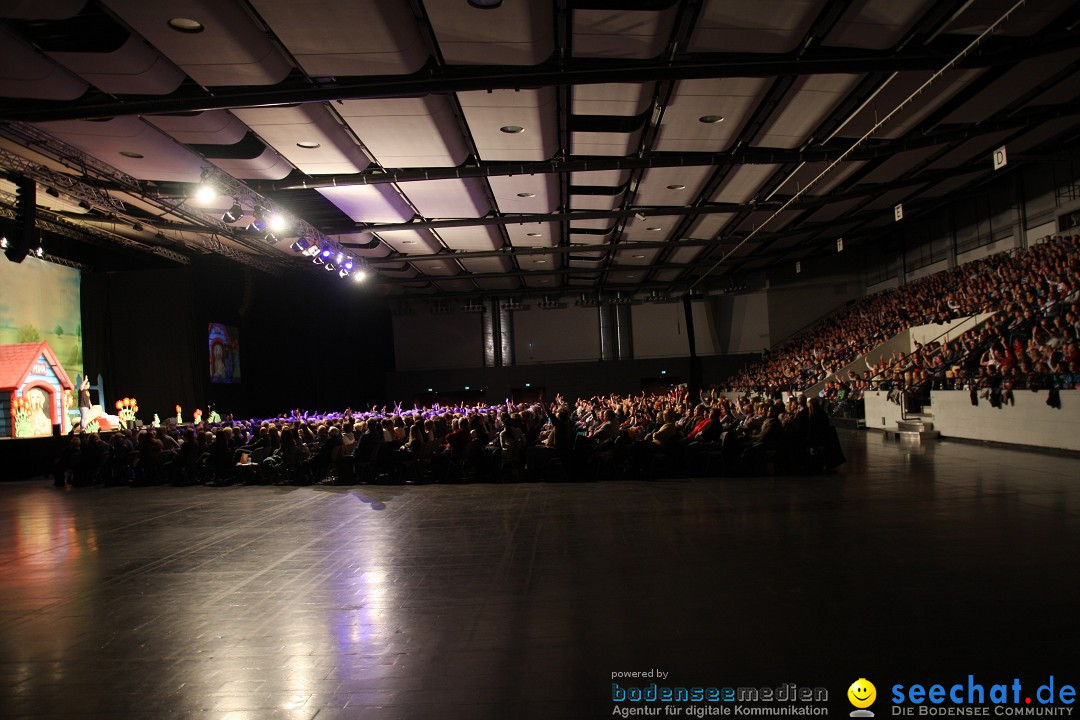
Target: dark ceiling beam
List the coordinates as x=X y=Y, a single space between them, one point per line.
x=743 y=156
x=433 y=79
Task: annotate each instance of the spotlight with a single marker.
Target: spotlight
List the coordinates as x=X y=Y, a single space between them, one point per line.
x=326 y=253
x=278 y=223
x=340 y=258
x=331 y=267
x=359 y=276
x=317 y=260
x=3 y=243
x=53 y=192
x=234 y=213
x=344 y=273
x=303 y=245
x=206 y=194
x=39 y=251
x=258 y=222
x=348 y=264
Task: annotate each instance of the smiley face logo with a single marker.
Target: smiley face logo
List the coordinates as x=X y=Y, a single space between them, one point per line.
x=862 y=693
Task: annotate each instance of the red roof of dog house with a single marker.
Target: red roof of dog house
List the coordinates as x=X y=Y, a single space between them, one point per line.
x=17 y=360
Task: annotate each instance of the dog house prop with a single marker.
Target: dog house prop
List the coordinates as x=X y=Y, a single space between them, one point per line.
x=35 y=392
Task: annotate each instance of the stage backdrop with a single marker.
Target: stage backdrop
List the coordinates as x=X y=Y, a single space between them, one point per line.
x=40 y=301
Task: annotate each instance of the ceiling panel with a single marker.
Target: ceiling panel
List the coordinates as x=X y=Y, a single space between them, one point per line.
x=706 y=227
x=411 y=242
x=526 y=193
x=810 y=101
x=682 y=127
x=612 y=98
x=488 y=265
x=533 y=234
x=533 y=111
x=134 y=68
x=476 y=239
x=876 y=24
x=651 y=229
x=900 y=87
x=322 y=35
x=26 y=73
x=622 y=33
x=742 y=184
x=231 y=49
x=331 y=149
x=116 y=140
x=546 y=282
x=506 y=283
x=660 y=186
x=602 y=178
x=632 y=256
x=407 y=132
x=448 y=198
x=609 y=144
x=370 y=203
x=769 y=26
x=899 y=164
x=514 y=33
x=595 y=202
x=1012 y=85
x=437 y=267
x=686 y=254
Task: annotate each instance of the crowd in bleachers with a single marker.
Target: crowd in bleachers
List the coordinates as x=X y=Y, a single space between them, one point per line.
x=1029 y=343
x=643 y=436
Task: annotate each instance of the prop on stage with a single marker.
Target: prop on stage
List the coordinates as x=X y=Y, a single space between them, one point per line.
x=35 y=392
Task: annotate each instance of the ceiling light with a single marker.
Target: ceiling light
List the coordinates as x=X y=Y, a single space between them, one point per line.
x=302 y=245
x=186 y=25
x=512 y=129
x=205 y=194
x=130 y=154
x=539 y=262
x=545 y=281
x=654 y=229
x=711 y=119
x=534 y=234
x=340 y=258
x=526 y=195
x=348 y=264
x=39 y=251
x=676 y=187
x=307 y=144
x=485 y=4
x=638 y=257
x=408 y=242
x=359 y=276
x=234 y=213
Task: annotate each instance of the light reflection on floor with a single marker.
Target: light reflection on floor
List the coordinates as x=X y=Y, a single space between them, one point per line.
x=516 y=601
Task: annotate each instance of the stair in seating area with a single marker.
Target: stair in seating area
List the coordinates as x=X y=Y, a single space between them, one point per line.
x=917 y=427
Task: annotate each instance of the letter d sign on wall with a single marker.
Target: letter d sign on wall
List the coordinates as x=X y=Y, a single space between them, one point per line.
x=999 y=158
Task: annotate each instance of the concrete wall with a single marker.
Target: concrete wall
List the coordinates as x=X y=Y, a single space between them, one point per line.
x=1029 y=422
x=743 y=321
x=881 y=413
x=795 y=307
x=423 y=340
x=569 y=334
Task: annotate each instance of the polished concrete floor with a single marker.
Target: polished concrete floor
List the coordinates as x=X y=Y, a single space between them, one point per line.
x=912 y=564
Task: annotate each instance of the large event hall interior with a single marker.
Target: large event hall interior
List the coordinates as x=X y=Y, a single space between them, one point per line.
x=539 y=358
